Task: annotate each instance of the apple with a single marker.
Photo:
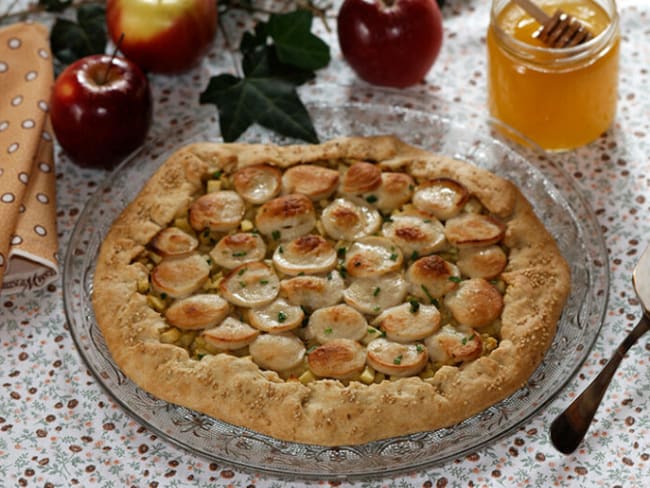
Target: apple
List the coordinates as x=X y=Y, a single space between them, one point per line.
x=167 y=36
x=390 y=42
x=101 y=110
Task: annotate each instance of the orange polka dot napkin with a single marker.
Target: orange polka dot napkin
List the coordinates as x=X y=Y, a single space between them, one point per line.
x=28 y=239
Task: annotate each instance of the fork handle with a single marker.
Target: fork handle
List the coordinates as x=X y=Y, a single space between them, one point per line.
x=533 y=10
x=570 y=427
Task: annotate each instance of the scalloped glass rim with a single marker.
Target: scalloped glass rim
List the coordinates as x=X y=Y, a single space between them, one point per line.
x=467 y=136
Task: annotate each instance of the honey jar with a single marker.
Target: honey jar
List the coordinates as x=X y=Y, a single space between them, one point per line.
x=560 y=98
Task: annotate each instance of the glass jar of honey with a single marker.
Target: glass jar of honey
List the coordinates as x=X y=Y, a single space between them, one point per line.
x=560 y=98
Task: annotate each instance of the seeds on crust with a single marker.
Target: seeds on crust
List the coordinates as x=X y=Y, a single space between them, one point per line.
x=180 y=277
x=286 y=217
x=472 y=229
x=340 y=359
x=220 y=211
x=258 y=183
x=197 y=312
x=313 y=181
x=250 y=285
x=307 y=254
x=475 y=303
x=236 y=249
x=173 y=241
x=395 y=359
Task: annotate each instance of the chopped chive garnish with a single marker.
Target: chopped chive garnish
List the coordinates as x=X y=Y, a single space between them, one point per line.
x=340 y=252
x=371 y=199
x=414 y=255
x=393 y=257
x=415 y=306
x=328 y=331
x=329 y=276
x=239 y=254
x=426 y=292
x=467 y=339
x=419 y=348
x=376 y=292
x=241 y=271
x=398 y=360
x=371 y=330
x=282 y=317
x=311 y=349
x=242 y=284
x=276 y=235
x=163 y=296
x=281 y=250
x=455 y=279
x=217 y=174
x=264 y=282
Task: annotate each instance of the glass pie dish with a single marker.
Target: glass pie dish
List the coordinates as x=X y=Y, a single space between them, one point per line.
x=550 y=190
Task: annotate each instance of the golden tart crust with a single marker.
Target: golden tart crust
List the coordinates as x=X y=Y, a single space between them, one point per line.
x=232 y=387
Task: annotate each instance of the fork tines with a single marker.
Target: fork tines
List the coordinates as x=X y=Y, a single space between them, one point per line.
x=562 y=30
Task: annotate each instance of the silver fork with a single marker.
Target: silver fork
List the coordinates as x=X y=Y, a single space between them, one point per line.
x=570 y=427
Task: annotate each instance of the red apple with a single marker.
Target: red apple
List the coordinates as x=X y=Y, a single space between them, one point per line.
x=390 y=42
x=167 y=36
x=101 y=110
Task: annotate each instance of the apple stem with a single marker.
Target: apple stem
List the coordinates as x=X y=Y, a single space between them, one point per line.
x=110 y=63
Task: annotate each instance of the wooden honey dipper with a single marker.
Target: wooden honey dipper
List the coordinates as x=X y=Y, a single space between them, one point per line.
x=559 y=30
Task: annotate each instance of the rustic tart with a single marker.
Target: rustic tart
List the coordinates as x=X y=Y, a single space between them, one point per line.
x=330 y=294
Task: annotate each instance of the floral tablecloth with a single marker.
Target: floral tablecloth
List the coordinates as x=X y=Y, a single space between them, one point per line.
x=58 y=427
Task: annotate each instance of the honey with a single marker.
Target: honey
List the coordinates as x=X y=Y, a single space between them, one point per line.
x=559 y=98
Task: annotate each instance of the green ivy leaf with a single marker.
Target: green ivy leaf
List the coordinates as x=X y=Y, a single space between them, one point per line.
x=54 y=5
x=263 y=61
x=271 y=102
x=277 y=56
x=294 y=42
x=73 y=40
